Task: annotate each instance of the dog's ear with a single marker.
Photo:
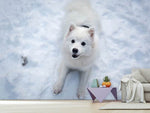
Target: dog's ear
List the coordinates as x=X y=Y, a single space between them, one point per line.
x=91 y=32
x=71 y=28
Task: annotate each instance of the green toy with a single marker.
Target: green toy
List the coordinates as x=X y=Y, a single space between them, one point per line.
x=95 y=84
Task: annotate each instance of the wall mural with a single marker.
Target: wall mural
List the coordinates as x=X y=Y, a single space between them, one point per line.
x=30 y=46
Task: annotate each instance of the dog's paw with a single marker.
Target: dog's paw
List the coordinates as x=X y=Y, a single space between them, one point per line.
x=57 y=88
x=80 y=94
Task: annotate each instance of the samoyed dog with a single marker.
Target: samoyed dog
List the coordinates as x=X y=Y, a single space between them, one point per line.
x=81 y=28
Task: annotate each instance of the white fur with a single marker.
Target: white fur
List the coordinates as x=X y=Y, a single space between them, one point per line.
x=78 y=12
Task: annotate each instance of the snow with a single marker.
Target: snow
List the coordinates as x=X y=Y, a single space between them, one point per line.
x=31 y=28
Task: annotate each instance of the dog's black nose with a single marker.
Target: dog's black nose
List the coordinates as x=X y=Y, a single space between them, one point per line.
x=75 y=50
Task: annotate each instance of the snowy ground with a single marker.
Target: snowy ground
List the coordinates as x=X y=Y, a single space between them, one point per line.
x=31 y=28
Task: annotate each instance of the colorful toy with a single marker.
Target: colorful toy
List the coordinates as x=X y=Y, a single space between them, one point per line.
x=106 y=82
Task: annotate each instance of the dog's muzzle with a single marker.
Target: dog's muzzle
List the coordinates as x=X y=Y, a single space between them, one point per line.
x=75 y=52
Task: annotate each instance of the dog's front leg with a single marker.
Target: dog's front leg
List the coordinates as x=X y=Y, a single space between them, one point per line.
x=83 y=83
x=62 y=71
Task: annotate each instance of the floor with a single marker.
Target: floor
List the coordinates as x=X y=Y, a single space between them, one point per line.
x=57 y=106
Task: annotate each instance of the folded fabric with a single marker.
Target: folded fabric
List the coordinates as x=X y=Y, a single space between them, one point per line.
x=134 y=88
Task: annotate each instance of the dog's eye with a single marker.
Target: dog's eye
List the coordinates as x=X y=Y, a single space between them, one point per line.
x=72 y=41
x=83 y=43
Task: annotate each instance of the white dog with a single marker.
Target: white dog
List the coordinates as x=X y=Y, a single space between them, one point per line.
x=80 y=43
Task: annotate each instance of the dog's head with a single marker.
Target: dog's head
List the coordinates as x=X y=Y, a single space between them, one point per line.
x=79 y=41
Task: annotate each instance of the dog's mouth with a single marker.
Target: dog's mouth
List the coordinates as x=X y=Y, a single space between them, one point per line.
x=75 y=56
